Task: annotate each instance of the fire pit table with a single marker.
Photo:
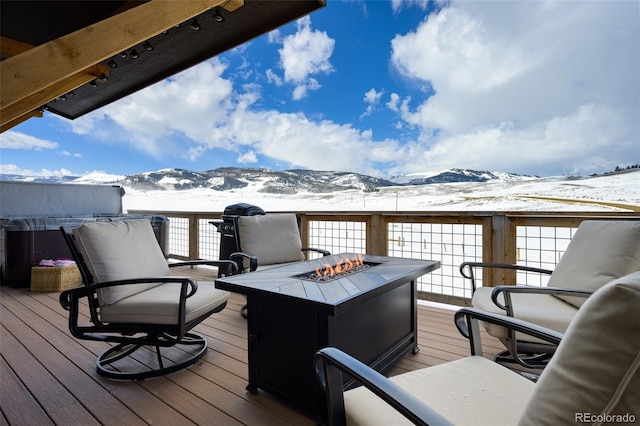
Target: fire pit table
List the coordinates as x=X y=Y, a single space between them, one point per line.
x=370 y=313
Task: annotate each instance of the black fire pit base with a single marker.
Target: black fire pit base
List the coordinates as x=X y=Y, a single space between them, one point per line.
x=372 y=315
x=283 y=339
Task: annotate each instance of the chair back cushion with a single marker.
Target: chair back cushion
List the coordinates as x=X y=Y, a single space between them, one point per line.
x=272 y=238
x=596 y=370
x=600 y=251
x=121 y=250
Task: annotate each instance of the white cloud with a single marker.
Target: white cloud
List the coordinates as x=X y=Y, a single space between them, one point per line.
x=397 y=5
x=200 y=108
x=372 y=96
x=394 y=100
x=303 y=54
x=274 y=78
x=12 y=139
x=248 y=157
x=70 y=154
x=525 y=80
x=372 y=99
x=545 y=147
x=12 y=169
x=192 y=104
x=332 y=147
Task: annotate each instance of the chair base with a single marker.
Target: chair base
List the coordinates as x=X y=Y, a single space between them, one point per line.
x=105 y=367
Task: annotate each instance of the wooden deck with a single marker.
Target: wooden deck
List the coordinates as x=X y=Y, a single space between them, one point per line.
x=49 y=377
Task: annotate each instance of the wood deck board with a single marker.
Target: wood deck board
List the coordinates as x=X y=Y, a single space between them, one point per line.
x=49 y=377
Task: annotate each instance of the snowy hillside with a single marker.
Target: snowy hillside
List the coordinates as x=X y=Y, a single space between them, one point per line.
x=617 y=192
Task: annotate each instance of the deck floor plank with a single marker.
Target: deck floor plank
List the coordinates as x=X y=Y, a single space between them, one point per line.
x=49 y=377
x=15 y=394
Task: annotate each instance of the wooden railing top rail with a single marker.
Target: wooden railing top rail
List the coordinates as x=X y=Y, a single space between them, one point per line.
x=523 y=214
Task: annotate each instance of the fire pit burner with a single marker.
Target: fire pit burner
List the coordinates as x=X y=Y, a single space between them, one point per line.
x=346 y=266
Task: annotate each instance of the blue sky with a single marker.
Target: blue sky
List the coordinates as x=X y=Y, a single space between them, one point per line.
x=382 y=88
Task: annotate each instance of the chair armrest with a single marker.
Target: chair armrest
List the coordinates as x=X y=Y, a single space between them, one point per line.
x=72 y=295
x=466 y=320
x=238 y=258
x=329 y=365
x=507 y=290
x=317 y=250
x=229 y=263
x=467 y=270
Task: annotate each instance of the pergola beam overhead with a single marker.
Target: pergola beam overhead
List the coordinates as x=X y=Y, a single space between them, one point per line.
x=25 y=77
x=51 y=49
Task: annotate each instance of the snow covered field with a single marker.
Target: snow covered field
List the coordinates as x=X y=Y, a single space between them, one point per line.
x=617 y=192
x=447 y=243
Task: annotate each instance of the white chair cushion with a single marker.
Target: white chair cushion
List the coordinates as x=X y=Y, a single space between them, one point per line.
x=272 y=238
x=121 y=250
x=159 y=305
x=541 y=309
x=470 y=391
x=596 y=368
x=600 y=251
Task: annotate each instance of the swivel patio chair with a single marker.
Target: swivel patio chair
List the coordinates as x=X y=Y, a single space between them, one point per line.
x=265 y=241
x=600 y=251
x=134 y=302
x=594 y=376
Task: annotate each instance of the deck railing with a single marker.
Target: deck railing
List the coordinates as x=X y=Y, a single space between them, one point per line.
x=526 y=238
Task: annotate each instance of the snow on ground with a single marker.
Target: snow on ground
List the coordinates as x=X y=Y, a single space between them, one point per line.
x=617 y=192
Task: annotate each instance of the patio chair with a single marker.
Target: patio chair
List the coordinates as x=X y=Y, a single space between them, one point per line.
x=133 y=301
x=265 y=241
x=600 y=251
x=594 y=375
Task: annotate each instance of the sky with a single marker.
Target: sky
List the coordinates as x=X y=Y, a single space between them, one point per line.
x=383 y=88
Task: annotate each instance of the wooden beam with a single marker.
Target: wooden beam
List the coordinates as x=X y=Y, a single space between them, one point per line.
x=45 y=95
x=15 y=114
x=232 y=5
x=44 y=66
x=31 y=114
x=10 y=47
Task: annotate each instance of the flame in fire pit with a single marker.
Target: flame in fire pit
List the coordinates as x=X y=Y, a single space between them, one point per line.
x=344 y=265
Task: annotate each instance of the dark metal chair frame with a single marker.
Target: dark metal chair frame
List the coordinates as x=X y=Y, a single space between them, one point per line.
x=527 y=354
x=129 y=337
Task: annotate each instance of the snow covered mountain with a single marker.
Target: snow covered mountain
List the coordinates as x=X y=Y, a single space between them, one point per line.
x=457 y=175
x=271 y=182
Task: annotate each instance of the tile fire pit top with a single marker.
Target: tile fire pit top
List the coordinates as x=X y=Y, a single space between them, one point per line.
x=285 y=281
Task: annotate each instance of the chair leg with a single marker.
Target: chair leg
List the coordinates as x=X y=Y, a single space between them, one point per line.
x=527 y=360
x=160 y=363
x=105 y=364
x=243 y=312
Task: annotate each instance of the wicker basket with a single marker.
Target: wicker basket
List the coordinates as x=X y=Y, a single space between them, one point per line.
x=56 y=278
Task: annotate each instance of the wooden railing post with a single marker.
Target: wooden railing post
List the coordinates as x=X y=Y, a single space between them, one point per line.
x=377 y=235
x=499 y=247
x=304 y=229
x=194 y=237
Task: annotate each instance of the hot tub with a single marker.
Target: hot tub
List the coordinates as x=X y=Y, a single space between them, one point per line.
x=31 y=215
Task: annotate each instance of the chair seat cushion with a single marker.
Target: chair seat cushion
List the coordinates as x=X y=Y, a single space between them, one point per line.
x=542 y=309
x=160 y=304
x=469 y=391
